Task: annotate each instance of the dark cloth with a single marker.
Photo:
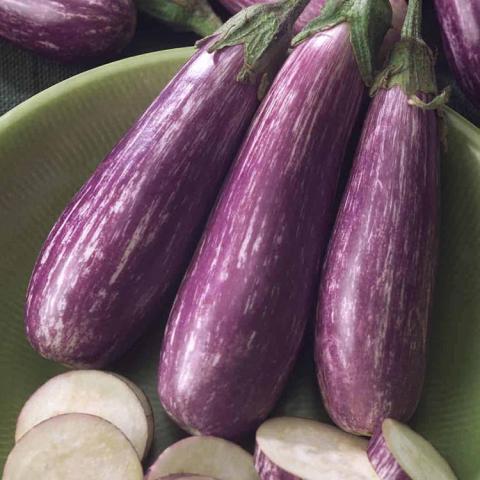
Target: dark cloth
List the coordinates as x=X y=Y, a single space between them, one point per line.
x=23 y=73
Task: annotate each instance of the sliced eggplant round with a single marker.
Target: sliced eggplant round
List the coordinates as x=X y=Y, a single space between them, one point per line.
x=92 y=392
x=75 y=446
x=204 y=456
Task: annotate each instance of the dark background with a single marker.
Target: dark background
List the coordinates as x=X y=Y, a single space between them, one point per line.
x=23 y=73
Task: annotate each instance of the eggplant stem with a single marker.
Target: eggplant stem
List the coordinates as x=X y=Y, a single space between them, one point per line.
x=412 y=27
x=265 y=31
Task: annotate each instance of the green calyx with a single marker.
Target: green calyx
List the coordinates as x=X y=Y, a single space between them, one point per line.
x=412 y=64
x=193 y=15
x=265 y=31
x=369 y=21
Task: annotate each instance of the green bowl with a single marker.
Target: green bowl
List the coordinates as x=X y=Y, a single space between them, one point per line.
x=50 y=144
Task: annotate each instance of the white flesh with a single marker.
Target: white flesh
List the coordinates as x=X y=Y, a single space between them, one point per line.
x=314 y=451
x=75 y=446
x=208 y=456
x=417 y=457
x=103 y=394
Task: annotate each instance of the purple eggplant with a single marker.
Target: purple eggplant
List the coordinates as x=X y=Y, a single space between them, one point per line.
x=239 y=317
x=121 y=246
x=396 y=452
x=376 y=291
x=69 y=30
x=460 y=22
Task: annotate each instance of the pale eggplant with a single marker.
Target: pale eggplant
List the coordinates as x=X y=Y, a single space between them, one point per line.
x=114 y=258
x=460 y=23
x=238 y=319
x=396 y=452
x=69 y=30
x=378 y=279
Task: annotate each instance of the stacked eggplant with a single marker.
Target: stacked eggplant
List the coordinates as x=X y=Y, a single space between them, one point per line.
x=251 y=286
x=243 y=213
x=117 y=253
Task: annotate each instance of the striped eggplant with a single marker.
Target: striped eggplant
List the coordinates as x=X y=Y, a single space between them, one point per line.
x=192 y=15
x=314 y=8
x=240 y=314
x=121 y=246
x=396 y=452
x=69 y=30
x=376 y=290
x=460 y=23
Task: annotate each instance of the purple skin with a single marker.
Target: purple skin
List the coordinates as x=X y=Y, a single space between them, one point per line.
x=237 y=322
x=382 y=460
x=460 y=22
x=69 y=30
x=267 y=470
x=376 y=290
x=120 y=248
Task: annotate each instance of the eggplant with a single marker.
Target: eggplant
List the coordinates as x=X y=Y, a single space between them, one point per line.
x=203 y=456
x=239 y=317
x=376 y=292
x=290 y=448
x=460 y=24
x=396 y=452
x=77 y=446
x=114 y=258
x=69 y=30
x=193 y=15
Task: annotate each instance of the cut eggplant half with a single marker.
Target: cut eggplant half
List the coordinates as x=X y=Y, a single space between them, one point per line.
x=398 y=453
x=75 y=446
x=103 y=394
x=295 y=448
x=207 y=456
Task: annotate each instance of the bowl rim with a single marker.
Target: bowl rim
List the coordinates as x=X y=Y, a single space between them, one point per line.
x=101 y=72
